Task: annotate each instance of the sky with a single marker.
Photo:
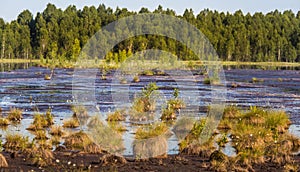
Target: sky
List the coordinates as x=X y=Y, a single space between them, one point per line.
x=10 y=9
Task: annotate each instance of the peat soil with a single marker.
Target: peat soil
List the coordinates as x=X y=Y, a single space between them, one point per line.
x=78 y=161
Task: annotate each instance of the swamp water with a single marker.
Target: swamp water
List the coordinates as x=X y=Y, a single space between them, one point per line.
x=27 y=89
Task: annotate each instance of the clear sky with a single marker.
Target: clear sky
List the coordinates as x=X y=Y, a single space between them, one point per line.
x=10 y=9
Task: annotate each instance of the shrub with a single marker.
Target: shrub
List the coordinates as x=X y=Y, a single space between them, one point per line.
x=15 y=114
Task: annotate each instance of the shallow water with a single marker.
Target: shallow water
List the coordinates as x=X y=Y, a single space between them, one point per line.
x=27 y=89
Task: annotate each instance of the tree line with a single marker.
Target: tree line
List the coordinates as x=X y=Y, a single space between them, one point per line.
x=61 y=34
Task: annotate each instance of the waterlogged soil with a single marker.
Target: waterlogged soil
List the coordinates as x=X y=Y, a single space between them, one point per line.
x=66 y=161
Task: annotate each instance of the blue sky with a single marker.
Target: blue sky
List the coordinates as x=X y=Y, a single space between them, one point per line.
x=10 y=9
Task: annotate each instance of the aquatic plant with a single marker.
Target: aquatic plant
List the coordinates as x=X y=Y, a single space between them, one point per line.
x=15 y=114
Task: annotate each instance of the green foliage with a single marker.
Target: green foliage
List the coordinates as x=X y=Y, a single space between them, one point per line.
x=55 y=34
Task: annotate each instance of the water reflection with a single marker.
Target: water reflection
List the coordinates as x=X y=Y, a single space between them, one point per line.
x=4 y=67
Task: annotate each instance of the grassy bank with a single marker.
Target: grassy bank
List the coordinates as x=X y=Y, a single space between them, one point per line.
x=19 y=61
x=147 y=64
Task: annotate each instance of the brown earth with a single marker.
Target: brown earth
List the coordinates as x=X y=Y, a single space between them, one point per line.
x=78 y=161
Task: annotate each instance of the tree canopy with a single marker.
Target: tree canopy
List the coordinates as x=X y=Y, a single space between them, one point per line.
x=56 y=33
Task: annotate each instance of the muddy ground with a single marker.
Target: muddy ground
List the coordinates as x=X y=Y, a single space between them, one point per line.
x=77 y=161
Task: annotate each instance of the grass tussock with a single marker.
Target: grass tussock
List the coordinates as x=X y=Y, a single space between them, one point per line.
x=40 y=135
x=4 y=122
x=145 y=132
x=144 y=104
x=81 y=141
x=40 y=156
x=118 y=115
x=15 y=114
x=15 y=142
x=39 y=122
x=71 y=123
x=79 y=111
x=56 y=131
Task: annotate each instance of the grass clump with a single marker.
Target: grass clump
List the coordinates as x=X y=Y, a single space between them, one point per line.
x=40 y=135
x=15 y=142
x=4 y=122
x=15 y=114
x=79 y=111
x=81 y=141
x=173 y=105
x=106 y=137
x=145 y=103
x=118 y=115
x=56 y=131
x=39 y=122
x=40 y=156
x=168 y=114
x=136 y=79
x=150 y=131
x=71 y=123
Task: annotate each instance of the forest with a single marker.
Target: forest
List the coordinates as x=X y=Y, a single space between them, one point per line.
x=61 y=34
